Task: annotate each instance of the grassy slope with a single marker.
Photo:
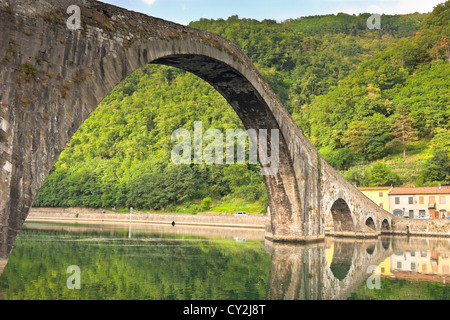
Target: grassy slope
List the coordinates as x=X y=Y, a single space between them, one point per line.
x=417 y=153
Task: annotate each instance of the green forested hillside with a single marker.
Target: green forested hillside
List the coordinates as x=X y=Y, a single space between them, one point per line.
x=400 y=93
x=345 y=85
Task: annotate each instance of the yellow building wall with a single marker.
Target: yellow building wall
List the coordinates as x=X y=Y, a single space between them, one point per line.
x=384 y=268
x=374 y=195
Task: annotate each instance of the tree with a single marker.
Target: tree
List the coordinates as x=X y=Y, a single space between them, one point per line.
x=441 y=47
x=438 y=167
x=357 y=176
x=376 y=136
x=402 y=130
x=353 y=137
x=380 y=175
x=339 y=159
x=441 y=140
x=206 y=204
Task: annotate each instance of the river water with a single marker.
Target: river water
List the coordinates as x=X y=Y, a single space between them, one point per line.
x=154 y=262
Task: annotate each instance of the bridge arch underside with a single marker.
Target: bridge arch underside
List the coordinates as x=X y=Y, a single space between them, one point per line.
x=254 y=113
x=342 y=216
x=235 y=78
x=385 y=225
x=370 y=223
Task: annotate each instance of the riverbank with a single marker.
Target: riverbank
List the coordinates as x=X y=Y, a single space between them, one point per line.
x=253 y=221
x=401 y=227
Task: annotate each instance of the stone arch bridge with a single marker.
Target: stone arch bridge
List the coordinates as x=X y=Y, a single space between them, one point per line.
x=53 y=77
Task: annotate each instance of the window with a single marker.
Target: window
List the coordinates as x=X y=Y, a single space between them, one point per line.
x=397 y=200
x=432 y=200
x=381 y=205
x=381 y=194
x=421 y=200
x=442 y=200
x=413 y=253
x=421 y=213
x=399 y=264
x=410 y=200
x=411 y=214
x=413 y=266
x=398 y=213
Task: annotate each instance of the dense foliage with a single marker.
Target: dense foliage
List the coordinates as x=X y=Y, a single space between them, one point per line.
x=121 y=156
x=346 y=86
x=407 y=82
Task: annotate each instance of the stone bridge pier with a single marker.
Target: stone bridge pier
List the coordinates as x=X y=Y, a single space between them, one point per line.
x=53 y=76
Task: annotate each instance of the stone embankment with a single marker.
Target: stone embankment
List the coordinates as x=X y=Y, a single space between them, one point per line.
x=202 y=219
x=426 y=227
x=430 y=227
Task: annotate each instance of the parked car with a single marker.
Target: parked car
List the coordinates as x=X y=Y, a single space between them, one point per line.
x=423 y=217
x=240 y=213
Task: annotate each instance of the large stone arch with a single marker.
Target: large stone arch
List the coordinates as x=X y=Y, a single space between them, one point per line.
x=78 y=68
x=53 y=77
x=238 y=84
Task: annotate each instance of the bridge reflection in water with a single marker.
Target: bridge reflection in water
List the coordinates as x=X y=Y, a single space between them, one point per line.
x=336 y=270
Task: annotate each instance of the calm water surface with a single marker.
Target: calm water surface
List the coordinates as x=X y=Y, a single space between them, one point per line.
x=192 y=263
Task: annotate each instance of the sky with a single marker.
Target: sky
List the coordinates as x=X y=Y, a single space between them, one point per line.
x=185 y=11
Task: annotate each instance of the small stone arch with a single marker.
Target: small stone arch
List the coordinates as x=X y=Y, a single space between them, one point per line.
x=370 y=223
x=385 y=225
x=342 y=216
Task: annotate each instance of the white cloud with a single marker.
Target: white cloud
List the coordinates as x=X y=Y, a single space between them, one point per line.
x=149 y=2
x=408 y=6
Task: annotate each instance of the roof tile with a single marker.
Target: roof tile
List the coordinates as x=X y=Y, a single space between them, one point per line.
x=421 y=190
